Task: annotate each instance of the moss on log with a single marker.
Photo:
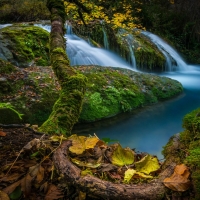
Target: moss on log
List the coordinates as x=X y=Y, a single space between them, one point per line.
x=67 y=108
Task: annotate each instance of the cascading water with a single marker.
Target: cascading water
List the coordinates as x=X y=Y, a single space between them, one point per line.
x=81 y=52
x=105 y=38
x=174 y=61
x=4 y=25
x=129 y=39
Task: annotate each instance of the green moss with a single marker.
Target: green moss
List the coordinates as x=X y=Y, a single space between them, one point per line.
x=191 y=122
x=28 y=44
x=6 y=67
x=147 y=55
x=59 y=5
x=111 y=91
x=33 y=94
x=187 y=149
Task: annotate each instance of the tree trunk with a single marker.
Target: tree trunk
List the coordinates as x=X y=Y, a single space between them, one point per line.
x=67 y=108
x=104 y=189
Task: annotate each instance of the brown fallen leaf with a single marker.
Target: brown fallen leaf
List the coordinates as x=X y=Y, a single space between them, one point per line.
x=11 y=188
x=11 y=177
x=178 y=181
x=37 y=171
x=26 y=185
x=3 y=196
x=31 y=144
x=53 y=193
x=2 y=134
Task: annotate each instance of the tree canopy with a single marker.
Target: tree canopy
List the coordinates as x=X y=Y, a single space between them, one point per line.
x=115 y=13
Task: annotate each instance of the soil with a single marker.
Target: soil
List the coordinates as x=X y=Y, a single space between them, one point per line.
x=17 y=136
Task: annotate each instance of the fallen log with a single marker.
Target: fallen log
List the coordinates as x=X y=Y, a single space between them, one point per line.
x=102 y=189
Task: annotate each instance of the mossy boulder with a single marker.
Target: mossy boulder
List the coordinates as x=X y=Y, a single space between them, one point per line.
x=114 y=90
x=110 y=91
x=32 y=91
x=185 y=148
x=24 y=45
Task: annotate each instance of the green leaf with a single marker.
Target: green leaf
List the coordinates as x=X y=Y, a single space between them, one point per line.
x=147 y=164
x=128 y=175
x=16 y=193
x=34 y=154
x=122 y=156
x=57 y=138
x=108 y=140
x=86 y=172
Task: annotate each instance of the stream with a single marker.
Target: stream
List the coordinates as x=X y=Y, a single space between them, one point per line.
x=147 y=129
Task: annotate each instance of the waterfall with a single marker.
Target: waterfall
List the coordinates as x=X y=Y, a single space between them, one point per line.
x=133 y=61
x=81 y=52
x=129 y=40
x=173 y=59
x=44 y=26
x=105 y=38
x=4 y=25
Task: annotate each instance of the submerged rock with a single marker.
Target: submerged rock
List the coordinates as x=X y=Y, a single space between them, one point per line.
x=110 y=91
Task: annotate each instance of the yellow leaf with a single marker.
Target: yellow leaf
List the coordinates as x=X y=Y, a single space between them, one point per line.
x=142 y=175
x=122 y=156
x=78 y=144
x=128 y=175
x=147 y=164
x=81 y=143
x=178 y=181
x=91 y=142
x=87 y=164
x=56 y=138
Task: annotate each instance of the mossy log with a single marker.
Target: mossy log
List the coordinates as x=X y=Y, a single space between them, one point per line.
x=67 y=108
x=101 y=189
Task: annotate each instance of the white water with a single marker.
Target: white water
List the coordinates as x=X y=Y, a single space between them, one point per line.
x=170 y=53
x=133 y=61
x=105 y=39
x=81 y=52
x=4 y=25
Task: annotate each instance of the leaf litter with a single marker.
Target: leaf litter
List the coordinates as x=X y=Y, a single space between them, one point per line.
x=27 y=170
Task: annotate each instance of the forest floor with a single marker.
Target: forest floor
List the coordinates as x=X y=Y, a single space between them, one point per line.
x=25 y=171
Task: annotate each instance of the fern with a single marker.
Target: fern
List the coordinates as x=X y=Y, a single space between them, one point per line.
x=9 y=106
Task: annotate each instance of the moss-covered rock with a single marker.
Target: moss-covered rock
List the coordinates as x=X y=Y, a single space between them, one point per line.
x=110 y=91
x=24 y=45
x=113 y=90
x=186 y=148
